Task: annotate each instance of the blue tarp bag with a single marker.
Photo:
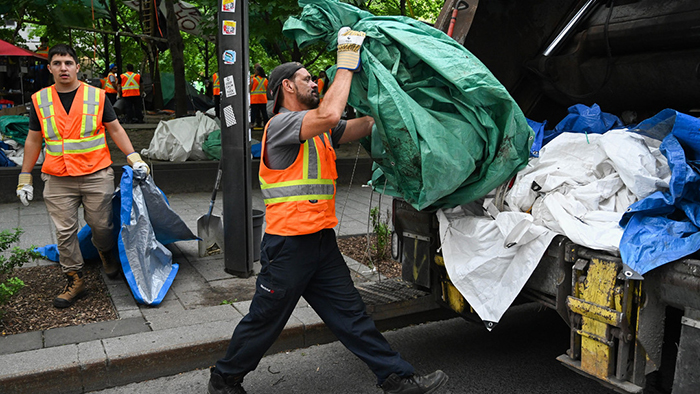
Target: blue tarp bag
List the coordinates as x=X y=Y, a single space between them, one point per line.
x=144 y=223
x=665 y=226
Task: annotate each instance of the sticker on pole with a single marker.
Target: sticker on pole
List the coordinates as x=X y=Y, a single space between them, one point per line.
x=229 y=28
x=228 y=6
x=229 y=86
x=229 y=56
x=229 y=116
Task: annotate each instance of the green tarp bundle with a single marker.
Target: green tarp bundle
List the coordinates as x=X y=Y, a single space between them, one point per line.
x=15 y=127
x=447 y=132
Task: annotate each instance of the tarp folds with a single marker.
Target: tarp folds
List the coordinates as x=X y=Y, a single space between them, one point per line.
x=147 y=223
x=447 y=132
x=582 y=184
x=181 y=139
x=489 y=260
x=666 y=225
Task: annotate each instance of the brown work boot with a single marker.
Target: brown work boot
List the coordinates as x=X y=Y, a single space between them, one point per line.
x=74 y=290
x=111 y=264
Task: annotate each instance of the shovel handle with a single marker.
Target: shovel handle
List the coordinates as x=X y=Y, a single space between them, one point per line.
x=216 y=187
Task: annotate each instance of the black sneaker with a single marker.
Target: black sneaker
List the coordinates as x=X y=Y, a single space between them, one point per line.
x=220 y=385
x=415 y=384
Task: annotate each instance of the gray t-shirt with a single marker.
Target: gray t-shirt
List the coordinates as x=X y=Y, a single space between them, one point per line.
x=283 y=142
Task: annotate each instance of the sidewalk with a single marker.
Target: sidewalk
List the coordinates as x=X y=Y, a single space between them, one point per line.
x=190 y=328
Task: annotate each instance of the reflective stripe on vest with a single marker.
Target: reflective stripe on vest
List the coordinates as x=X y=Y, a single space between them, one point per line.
x=260 y=89
x=55 y=145
x=217 y=86
x=310 y=187
x=91 y=107
x=131 y=83
x=47 y=114
x=69 y=146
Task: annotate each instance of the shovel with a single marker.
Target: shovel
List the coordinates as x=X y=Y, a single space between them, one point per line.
x=210 y=228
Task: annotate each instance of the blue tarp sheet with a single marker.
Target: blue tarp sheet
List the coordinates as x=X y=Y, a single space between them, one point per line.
x=149 y=224
x=665 y=226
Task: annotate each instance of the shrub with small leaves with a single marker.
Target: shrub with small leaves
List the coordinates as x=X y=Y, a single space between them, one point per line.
x=383 y=232
x=9 y=284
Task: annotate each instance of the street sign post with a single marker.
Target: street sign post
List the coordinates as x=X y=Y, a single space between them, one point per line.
x=235 y=137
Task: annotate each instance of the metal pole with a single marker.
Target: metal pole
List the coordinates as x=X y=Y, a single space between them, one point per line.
x=235 y=137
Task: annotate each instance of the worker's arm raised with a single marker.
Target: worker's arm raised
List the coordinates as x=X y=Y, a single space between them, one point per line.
x=327 y=115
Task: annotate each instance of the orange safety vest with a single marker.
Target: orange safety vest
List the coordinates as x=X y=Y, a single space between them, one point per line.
x=301 y=198
x=108 y=86
x=258 y=91
x=75 y=142
x=103 y=82
x=217 y=87
x=320 y=84
x=131 y=84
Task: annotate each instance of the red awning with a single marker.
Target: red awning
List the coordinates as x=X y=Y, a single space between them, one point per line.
x=7 y=49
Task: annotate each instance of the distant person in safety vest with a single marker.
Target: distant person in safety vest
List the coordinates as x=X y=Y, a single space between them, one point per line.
x=131 y=92
x=299 y=253
x=258 y=98
x=71 y=117
x=217 y=92
x=111 y=84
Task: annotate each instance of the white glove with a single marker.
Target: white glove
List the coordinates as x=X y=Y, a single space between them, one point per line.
x=25 y=190
x=137 y=163
x=349 y=43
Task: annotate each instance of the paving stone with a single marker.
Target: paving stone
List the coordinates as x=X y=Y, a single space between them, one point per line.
x=21 y=342
x=93 y=331
x=170 y=306
x=163 y=321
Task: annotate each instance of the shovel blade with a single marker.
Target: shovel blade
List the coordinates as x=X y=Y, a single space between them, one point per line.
x=210 y=229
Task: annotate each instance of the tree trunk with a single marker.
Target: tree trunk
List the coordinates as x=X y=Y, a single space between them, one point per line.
x=155 y=77
x=117 y=39
x=177 y=48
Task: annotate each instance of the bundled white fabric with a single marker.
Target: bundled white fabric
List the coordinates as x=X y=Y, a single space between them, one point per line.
x=581 y=184
x=181 y=139
x=489 y=261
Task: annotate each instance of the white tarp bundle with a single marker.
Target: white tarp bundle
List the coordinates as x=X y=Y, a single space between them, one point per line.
x=579 y=187
x=582 y=184
x=181 y=139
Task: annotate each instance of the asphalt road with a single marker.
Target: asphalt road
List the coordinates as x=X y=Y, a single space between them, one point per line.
x=518 y=356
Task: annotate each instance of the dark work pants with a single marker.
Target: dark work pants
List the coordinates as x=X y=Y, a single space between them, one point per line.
x=134 y=107
x=258 y=114
x=310 y=266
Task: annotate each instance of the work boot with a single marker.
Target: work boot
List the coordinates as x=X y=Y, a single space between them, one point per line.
x=415 y=384
x=74 y=290
x=111 y=264
x=218 y=384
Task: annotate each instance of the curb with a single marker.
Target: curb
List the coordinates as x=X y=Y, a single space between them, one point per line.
x=110 y=362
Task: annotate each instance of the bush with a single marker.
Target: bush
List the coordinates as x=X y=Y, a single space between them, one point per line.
x=9 y=284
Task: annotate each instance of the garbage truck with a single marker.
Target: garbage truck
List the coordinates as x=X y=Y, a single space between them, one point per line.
x=634 y=58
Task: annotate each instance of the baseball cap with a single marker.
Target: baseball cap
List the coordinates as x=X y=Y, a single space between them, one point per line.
x=111 y=66
x=279 y=74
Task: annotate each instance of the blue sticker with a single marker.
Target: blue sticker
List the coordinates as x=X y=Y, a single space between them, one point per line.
x=229 y=56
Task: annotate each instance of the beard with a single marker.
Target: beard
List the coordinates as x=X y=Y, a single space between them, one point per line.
x=310 y=100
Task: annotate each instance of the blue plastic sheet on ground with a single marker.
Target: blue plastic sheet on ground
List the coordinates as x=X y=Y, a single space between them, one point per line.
x=665 y=226
x=584 y=119
x=144 y=223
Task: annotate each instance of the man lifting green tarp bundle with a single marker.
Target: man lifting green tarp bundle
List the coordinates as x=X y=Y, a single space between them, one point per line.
x=447 y=131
